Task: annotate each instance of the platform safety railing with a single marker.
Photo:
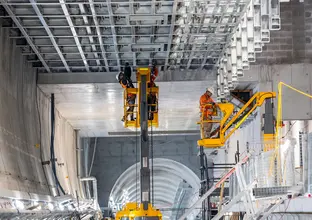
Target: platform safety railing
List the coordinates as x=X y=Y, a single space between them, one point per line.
x=155 y=92
x=127 y=122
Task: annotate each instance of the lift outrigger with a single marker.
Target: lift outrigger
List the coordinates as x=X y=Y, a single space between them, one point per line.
x=225 y=128
x=144 y=210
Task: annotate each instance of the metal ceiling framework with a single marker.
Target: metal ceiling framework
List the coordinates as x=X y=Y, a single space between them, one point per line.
x=84 y=36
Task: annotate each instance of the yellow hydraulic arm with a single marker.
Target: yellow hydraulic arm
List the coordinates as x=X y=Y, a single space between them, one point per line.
x=226 y=123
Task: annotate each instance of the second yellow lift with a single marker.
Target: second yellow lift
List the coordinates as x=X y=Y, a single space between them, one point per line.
x=226 y=110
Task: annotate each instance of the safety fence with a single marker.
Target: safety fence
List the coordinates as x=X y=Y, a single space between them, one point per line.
x=274 y=172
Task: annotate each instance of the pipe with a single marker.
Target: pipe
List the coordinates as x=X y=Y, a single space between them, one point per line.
x=86 y=162
x=79 y=163
x=95 y=192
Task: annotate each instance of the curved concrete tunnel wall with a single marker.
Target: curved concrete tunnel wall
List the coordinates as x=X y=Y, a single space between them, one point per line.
x=20 y=162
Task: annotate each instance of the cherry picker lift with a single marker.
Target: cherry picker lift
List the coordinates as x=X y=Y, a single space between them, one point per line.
x=144 y=210
x=152 y=107
x=228 y=119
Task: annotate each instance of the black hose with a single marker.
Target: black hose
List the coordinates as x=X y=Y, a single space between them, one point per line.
x=52 y=155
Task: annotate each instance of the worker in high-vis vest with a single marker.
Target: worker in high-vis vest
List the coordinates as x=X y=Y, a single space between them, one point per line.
x=152 y=98
x=126 y=83
x=207 y=109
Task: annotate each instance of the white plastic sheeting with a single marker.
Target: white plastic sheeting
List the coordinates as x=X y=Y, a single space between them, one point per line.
x=20 y=161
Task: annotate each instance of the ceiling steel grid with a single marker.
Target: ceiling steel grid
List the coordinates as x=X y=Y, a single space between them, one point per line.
x=83 y=36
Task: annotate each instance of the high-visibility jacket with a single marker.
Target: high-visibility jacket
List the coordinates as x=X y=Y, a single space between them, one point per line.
x=206 y=104
x=154 y=73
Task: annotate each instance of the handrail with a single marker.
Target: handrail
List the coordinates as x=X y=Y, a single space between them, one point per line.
x=260 y=97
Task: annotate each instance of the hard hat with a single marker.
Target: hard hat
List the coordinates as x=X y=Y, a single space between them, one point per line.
x=210 y=89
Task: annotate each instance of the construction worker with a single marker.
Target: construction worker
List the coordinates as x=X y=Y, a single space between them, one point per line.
x=154 y=72
x=128 y=71
x=207 y=109
x=126 y=83
x=151 y=98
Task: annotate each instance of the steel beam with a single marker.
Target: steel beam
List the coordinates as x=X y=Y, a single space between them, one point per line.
x=114 y=34
x=123 y=35
x=75 y=35
x=116 y=25
x=50 y=35
x=110 y=77
x=90 y=15
x=74 y=45
x=81 y=66
x=25 y=34
x=98 y=31
x=174 y=9
x=100 y=3
x=91 y=39
x=145 y=170
x=30 y=53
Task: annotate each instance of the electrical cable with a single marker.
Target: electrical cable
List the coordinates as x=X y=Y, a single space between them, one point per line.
x=152 y=150
x=152 y=160
x=285 y=210
x=52 y=153
x=289 y=129
x=40 y=135
x=136 y=157
x=93 y=156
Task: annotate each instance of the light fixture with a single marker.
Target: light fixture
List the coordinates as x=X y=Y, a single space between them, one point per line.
x=50 y=206
x=19 y=204
x=61 y=207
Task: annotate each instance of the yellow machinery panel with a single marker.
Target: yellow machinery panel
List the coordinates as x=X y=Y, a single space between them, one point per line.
x=136 y=122
x=152 y=90
x=132 y=211
x=225 y=123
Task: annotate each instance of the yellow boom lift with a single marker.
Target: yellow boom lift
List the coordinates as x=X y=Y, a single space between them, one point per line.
x=144 y=210
x=136 y=91
x=225 y=128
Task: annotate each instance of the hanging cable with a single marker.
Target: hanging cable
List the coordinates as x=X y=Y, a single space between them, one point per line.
x=52 y=153
x=152 y=144
x=136 y=154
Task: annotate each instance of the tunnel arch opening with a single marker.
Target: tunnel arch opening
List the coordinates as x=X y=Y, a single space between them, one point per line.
x=176 y=187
